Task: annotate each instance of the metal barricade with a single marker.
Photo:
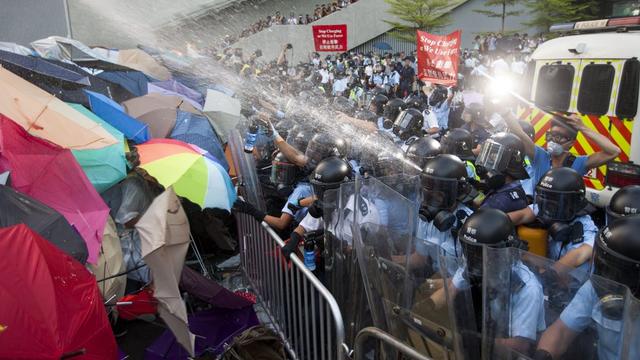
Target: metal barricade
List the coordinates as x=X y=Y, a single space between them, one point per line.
x=385 y=340
x=303 y=311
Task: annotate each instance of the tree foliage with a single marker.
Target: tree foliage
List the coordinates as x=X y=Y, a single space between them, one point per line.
x=545 y=13
x=426 y=15
x=502 y=12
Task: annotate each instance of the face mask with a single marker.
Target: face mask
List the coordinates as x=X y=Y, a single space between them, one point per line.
x=554 y=149
x=443 y=220
x=567 y=233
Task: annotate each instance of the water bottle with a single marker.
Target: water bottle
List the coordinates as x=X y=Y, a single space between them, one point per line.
x=310 y=254
x=250 y=138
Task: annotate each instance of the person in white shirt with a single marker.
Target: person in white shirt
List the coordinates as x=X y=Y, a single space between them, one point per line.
x=292 y=19
x=518 y=67
x=500 y=67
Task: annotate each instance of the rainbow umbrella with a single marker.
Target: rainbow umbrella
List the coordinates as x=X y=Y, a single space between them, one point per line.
x=193 y=172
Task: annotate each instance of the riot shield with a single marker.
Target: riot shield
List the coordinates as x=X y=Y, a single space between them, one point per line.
x=245 y=167
x=388 y=260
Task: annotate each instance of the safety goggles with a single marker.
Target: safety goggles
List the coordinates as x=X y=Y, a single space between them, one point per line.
x=557 y=137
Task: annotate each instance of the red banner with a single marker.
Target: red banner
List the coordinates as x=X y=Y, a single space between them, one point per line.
x=438 y=57
x=331 y=38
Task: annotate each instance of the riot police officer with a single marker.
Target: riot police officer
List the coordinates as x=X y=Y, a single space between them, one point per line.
x=475 y=122
x=459 y=142
x=390 y=113
x=624 y=202
x=408 y=126
x=378 y=103
x=418 y=153
x=599 y=303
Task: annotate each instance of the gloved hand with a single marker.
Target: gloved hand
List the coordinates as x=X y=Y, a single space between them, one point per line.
x=245 y=207
x=292 y=245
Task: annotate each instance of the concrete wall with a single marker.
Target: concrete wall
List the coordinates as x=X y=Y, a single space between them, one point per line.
x=24 y=21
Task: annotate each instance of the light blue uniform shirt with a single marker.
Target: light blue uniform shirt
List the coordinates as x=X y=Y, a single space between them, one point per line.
x=542 y=163
x=442 y=114
x=584 y=311
x=302 y=190
x=526 y=318
x=529 y=185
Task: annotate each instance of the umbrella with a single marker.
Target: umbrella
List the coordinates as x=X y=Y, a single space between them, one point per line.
x=16 y=49
x=197 y=130
x=215 y=329
x=65 y=49
x=190 y=170
x=50 y=174
x=110 y=263
x=114 y=114
x=51 y=306
x=139 y=60
x=19 y=208
x=173 y=87
x=144 y=104
x=107 y=166
x=134 y=81
x=43 y=115
x=210 y=291
x=164 y=233
x=381 y=45
x=223 y=110
x=30 y=67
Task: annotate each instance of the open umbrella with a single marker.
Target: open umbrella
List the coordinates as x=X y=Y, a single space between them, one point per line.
x=176 y=88
x=110 y=263
x=223 y=110
x=158 y=111
x=164 y=235
x=141 y=61
x=30 y=67
x=65 y=49
x=50 y=174
x=190 y=170
x=381 y=45
x=17 y=208
x=197 y=130
x=41 y=114
x=51 y=306
x=134 y=81
x=104 y=167
x=111 y=112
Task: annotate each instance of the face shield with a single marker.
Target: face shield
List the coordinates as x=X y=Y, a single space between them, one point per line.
x=284 y=173
x=407 y=124
x=560 y=206
x=439 y=193
x=615 y=267
x=493 y=157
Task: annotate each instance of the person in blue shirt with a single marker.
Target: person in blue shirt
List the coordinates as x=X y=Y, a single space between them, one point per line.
x=560 y=139
x=475 y=122
x=440 y=100
x=601 y=304
x=528 y=184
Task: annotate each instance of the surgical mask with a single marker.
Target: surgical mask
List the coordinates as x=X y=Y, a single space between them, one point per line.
x=554 y=149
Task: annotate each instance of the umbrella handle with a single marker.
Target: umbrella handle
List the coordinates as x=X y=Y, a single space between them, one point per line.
x=73 y=354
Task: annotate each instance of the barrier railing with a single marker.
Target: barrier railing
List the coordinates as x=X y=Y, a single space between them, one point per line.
x=384 y=339
x=303 y=311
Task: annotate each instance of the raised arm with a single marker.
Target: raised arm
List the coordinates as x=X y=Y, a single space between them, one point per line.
x=515 y=128
x=609 y=150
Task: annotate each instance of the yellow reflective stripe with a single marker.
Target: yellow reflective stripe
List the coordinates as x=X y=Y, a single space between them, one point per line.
x=473 y=169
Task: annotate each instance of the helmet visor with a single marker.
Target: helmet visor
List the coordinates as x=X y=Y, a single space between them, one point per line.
x=438 y=192
x=406 y=120
x=558 y=205
x=616 y=267
x=493 y=157
x=284 y=173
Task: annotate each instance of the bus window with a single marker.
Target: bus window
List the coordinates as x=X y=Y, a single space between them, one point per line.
x=627 y=106
x=595 y=89
x=553 y=90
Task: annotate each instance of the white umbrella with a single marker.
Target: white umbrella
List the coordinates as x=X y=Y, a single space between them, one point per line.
x=223 y=112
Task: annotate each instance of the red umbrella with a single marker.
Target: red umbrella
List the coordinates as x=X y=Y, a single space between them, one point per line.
x=51 y=306
x=51 y=174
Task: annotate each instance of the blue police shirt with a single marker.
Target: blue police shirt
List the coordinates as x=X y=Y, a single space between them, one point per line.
x=584 y=311
x=510 y=197
x=442 y=114
x=542 y=163
x=528 y=184
x=302 y=190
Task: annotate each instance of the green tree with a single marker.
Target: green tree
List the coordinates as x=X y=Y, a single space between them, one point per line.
x=545 y=13
x=502 y=12
x=412 y=15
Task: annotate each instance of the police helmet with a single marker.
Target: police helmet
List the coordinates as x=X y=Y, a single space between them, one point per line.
x=377 y=103
x=391 y=111
x=321 y=146
x=444 y=182
x=502 y=154
x=560 y=195
x=438 y=95
x=283 y=127
x=366 y=115
x=421 y=151
x=458 y=142
x=342 y=104
x=408 y=123
x=329 y=174
x=624 y=202
x=299 y=138
x=475 y=111
x=415 y=101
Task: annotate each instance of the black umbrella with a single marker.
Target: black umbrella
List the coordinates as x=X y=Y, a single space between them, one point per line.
x=30 y=67
x=17 y=208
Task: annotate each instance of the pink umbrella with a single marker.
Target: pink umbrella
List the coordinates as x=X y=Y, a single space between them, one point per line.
x=51 y=174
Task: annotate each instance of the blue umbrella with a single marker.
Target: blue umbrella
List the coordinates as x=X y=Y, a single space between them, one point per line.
x=111 y=112
x=134 y=81
x=195 y=129
x=381 y=45
x=29 y=67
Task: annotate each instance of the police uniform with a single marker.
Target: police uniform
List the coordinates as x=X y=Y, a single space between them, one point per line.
x=528 y=185
x=301 y=191
x=542 y=163
x=510 y=197
x=442 y=113
x=583 y=311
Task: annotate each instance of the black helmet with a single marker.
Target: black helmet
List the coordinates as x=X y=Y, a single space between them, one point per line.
x=299 y=138
x=458 y=142
x=438 y=95
x=391 y=111
x=415 y=101
x=366 y=115
x=329 y=174
x=485 y=227
x=421 y=151
x=560 y=195
x=624 y=202
x=527 y=128
x=321 y=146
x=444 y=182
x=384 y=163
x=342 y=104
x=408 y=123
x=476 y=111
x=283 y=127
x=283 y=171
x=377 y=103
x=502 y=154
x=616 y=255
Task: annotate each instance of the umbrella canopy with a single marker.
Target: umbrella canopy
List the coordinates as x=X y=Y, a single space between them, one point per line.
x=197 y=130
x=43 y=115
x=107 y=166
x=16 y=49
x=110 y=263
x=381 y=45
x=114 y=114
x=51 y=305
x=17 y=208
x=50 y=174
x=223 y=110
x=144 y=104
x=210 y=291
x=176 y=88
x=30 y=67
x=190 y=170
x=164 y=235
x=134 y=81
x=141 y=61
x=65 y=49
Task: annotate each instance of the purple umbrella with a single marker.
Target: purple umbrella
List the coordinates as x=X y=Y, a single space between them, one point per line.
x=209 y=291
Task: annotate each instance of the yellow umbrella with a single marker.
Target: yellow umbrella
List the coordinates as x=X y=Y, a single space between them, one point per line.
x=43 y=115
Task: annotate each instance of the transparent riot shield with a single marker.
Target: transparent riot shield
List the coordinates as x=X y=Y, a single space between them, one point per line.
x=245 y=167
x=392 y=267
x=630 y=348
